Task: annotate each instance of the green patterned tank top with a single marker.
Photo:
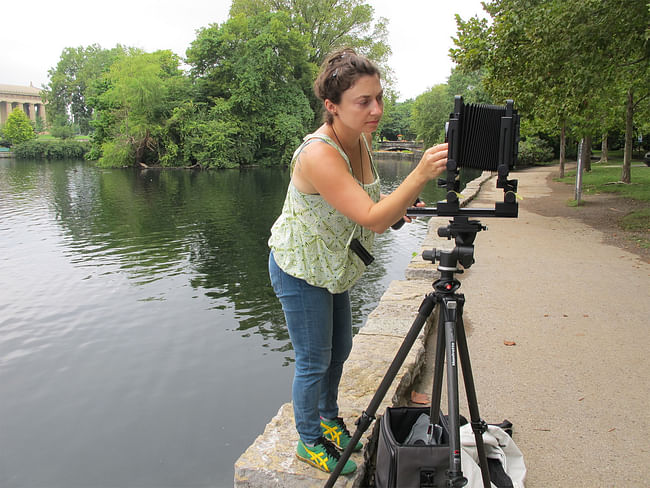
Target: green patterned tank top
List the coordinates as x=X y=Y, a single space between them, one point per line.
x=311 y=239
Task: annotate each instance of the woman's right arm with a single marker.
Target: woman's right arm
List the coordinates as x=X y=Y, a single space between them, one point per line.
x=322 y=168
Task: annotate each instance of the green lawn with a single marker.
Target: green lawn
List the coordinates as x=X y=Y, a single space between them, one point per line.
x=603 y=178
x=48 y=137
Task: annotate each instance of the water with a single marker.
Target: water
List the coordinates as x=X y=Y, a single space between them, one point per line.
x=140 y=342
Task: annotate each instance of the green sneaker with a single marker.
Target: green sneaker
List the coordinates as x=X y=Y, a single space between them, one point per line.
x=336 y=431
x=323 y=456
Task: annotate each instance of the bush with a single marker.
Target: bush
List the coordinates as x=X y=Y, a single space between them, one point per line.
x=117 y=153
x=62 y=131
x=534 y=150
x=36 y=149
x=18 y=127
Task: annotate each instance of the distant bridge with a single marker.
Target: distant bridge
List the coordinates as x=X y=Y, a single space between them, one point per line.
x=400 y=145
x=27 y=98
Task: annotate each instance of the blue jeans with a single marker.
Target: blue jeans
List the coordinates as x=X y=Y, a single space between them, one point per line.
x=320 y=327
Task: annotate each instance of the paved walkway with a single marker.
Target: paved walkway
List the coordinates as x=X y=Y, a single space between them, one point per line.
x=576 y=384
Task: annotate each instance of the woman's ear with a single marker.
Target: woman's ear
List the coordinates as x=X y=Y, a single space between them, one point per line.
x=330 y=107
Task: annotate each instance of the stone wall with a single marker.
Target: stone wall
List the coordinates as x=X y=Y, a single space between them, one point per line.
x=271 y=462
x=399 y=156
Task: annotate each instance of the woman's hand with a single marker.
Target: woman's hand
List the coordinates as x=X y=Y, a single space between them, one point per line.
x=418 y=203
x=433 y=162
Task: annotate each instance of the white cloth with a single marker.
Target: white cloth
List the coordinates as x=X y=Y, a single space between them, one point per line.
x=498 y=445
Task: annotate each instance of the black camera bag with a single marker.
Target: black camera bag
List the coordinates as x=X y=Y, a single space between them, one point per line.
x=409 y=466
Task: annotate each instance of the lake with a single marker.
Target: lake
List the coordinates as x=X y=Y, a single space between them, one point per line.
x=141 y=344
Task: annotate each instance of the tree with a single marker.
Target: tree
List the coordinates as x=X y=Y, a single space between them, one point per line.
x=397 y=120
x=71 y=84
x=560 y=59
x=18 y=127
x=140 y=91
x=252 y=74
x=329 y=25
x=430 y=112
x=469 y=85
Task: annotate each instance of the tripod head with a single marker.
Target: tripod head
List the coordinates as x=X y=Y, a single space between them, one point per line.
x=463 y=231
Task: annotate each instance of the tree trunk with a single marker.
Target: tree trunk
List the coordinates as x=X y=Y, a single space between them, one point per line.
x=604 y=157
x=562 y=148
x=626 y=173
x=586 y=154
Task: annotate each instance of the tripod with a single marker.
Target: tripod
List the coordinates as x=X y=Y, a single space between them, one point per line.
x=451 y=342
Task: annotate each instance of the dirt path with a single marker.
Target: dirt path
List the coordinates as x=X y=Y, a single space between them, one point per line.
x=603 y=212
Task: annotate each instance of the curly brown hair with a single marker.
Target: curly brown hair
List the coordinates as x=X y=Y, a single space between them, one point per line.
x=340 y=71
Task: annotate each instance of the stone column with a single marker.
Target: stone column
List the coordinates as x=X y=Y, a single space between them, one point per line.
x=10 y=107
x=32 y=112
x=41 y=112
x=4 y=111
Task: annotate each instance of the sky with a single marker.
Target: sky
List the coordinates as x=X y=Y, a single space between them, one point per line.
x=420 y=33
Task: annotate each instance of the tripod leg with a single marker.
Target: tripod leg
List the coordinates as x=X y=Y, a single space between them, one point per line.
x=455 y=474
x=369 y=414
x=478 y=426
x=438 y=369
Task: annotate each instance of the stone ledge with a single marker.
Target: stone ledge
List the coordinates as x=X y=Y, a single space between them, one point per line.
x=271 y=462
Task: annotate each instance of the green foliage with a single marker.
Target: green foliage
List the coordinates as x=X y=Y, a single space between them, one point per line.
x=51 y=149
x=117 y=152
x=534 y=150
x=248 y=99
x=65 y=131
x=136 y=97
x=468 y=84
x=397 y=120
x=430 y=112
x=328 y=25
x=72 y=81
x=38 y=125
x=253 y=74
x=205 y=137
x=581 y=65
x=18 y=127
x=431 y=109
x=560 y=59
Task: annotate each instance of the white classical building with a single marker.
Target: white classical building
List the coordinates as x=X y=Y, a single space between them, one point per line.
x=28 y=98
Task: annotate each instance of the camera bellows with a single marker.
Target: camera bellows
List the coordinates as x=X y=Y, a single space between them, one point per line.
x=485 y=136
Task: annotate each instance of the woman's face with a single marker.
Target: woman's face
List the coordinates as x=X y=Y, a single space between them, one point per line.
x=362 y=104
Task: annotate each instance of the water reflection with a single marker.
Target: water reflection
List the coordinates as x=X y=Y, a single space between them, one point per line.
x=211 y=227
x=140 y=341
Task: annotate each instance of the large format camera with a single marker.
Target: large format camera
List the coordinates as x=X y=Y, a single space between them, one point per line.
x=484 y=137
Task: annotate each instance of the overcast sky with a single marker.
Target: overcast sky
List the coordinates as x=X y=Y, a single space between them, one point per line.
x=33 y=38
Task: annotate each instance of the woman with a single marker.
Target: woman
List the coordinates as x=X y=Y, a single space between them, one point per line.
x=332 y=211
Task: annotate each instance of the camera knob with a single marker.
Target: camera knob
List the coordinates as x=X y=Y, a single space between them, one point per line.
x=429 y=255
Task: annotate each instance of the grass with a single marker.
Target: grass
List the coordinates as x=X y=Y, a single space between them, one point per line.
x=637 y=221
x=48 y=137
x=605 y=179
